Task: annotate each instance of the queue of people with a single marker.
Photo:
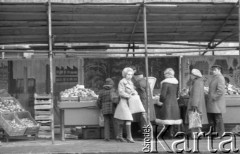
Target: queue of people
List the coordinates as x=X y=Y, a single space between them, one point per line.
x=132 y=90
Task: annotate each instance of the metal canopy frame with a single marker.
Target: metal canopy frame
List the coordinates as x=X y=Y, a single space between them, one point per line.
x=211 y=44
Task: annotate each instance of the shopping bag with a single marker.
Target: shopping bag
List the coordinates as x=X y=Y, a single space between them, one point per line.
x=101 y=119
x=135 y=104
x=194 y=119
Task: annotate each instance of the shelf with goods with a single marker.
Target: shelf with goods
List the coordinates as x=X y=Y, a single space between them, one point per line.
x=43 y=111
x=15 y=121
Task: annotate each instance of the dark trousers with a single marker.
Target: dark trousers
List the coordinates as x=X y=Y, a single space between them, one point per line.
x=216 y=121
x=108 y=123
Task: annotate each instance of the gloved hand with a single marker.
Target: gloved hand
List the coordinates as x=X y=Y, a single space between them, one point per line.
x=158 y=103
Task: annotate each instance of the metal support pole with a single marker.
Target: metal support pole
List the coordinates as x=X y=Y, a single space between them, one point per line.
x=239 y=28
x=146 y=59
x=51 y=63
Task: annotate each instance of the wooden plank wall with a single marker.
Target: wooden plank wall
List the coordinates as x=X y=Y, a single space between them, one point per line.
x=37 y=69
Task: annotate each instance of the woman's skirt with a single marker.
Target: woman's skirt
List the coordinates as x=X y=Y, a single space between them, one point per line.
x=122 y=111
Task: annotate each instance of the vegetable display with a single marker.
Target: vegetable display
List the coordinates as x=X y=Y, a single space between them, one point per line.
x=79 y=91
x=9 y=106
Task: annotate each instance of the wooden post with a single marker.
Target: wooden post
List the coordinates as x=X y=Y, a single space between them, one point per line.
x=146 y=58
x=239 y=28
x=147 y=84
x=51 y=64
x=179 y=72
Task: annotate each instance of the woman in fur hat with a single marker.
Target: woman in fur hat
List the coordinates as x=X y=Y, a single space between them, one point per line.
x=129 y=103
x=169 y=113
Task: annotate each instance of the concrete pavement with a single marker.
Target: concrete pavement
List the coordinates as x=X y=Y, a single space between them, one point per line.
x=44 y=146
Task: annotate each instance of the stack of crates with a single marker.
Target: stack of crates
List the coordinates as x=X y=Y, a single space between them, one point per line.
x=43 y=108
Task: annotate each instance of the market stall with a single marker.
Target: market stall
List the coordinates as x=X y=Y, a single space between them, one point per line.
x=78 y=107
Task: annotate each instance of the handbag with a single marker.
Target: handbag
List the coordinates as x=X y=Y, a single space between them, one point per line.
x=115 y=98
x=194 y=119
x=135 y=104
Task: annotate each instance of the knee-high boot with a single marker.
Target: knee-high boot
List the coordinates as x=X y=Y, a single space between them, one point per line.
x=120 y=133
x=144 y=117
x=129 y=133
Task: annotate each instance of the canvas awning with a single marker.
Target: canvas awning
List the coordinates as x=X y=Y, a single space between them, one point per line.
x=27 y=23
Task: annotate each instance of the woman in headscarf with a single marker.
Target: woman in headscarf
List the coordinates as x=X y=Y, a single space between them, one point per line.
x=129 y=103
x=169 y=113
x=196 y=98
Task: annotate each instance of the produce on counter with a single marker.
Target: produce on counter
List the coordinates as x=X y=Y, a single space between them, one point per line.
x=232 y=90
x=184 y=92
x=15 y=125
x=206 y=90
x=27 y=122
x=9 y=106
x=79 y=91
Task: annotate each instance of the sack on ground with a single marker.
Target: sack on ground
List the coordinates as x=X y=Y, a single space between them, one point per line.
x=194 y=119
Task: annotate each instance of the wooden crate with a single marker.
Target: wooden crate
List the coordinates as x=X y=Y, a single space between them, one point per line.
x=43 y=114
x=42 y=96
x=11 y=131
x=30 y=130
x=92 y=133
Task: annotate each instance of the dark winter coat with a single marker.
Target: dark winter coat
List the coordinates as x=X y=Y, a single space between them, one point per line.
x=169 y=113
x=104 y=100
x=141 y=89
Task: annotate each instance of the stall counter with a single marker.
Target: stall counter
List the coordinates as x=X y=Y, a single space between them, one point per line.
x=74 y=113
x=233 y=109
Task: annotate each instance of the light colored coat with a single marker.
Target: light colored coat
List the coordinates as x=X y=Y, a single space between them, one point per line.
x=216 y=95
x=197 y=99
x=125 y=89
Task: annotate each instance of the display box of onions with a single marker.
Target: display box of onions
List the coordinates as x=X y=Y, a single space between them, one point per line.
x=11 y=125
x=32 y=127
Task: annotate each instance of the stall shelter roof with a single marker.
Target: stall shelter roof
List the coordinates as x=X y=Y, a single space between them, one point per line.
x=121 y=23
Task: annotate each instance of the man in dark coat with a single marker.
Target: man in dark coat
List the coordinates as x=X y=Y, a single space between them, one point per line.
x=141 y=88
x=107 y=106
x=216 y=105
